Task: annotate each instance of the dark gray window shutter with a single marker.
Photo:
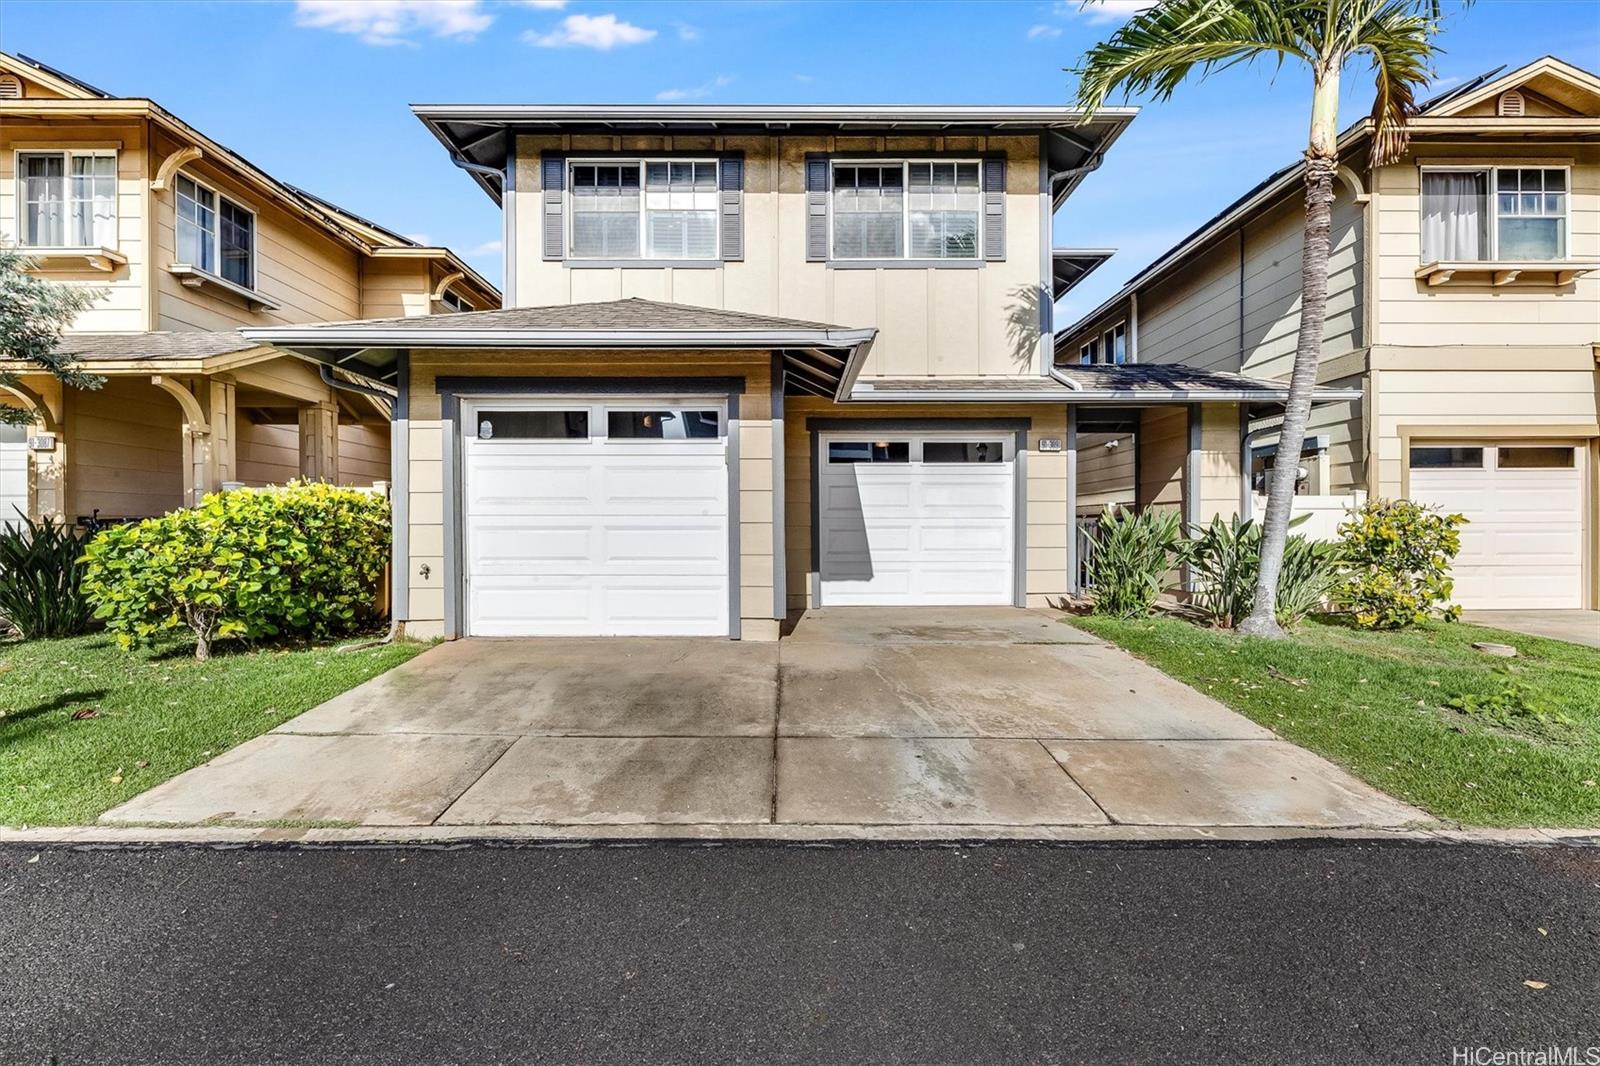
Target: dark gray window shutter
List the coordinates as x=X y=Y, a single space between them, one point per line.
x=552 y=184
x=730 y=200
x=818 y=180
x=994 y=208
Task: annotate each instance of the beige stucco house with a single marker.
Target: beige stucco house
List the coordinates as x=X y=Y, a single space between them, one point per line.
x=1464 y=306
x=756 y=359
x=189 y=242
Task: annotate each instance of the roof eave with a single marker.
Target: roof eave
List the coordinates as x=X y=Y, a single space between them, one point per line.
x=611 y=340
x=1129 y=397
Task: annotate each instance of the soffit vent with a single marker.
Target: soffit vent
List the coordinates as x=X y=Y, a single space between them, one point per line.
x=1511 y=105
x=10 y=87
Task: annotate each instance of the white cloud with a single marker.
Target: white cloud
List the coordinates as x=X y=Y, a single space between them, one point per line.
x=487 y=248
x=600 y=32
x=698 y=92
x=1102 y=11
x=1043 y=29
x=805 y=79
x=687 y=32
x=421 y=238
x=545 y=5
x=388 y=22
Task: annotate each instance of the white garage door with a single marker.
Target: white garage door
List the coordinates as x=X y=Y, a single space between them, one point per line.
x=13 y=473
x=925 y=519
x=1524 y=547
x=595 y=517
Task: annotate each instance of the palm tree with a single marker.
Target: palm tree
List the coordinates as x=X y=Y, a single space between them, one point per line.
x=1158 y=48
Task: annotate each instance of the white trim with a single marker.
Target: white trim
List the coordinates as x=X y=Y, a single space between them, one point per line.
x=642 y=161
x=1491 y=171
x=216 y=236
x=905 y=256
x=112 y=151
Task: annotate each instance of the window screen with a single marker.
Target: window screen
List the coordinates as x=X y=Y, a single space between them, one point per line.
x=1438 y=458
x=868 y=212
x=884 y=451
x=533 y=425
x=238 y=235
x=1536 y=457
x=664 y=425
x=952 y=451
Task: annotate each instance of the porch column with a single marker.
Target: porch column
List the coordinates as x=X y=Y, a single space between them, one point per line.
x=1216 y=462
x=1070 y=453
x=47 y=470
x=209 y=439
x=319 y=441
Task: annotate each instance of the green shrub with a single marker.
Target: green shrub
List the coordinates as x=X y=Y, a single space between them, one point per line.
x=1130 y=555
x=1225 y=558
x=41 y=580
x=1399 y=554
x=301 y=561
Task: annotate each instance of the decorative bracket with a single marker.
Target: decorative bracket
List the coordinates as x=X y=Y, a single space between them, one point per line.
x=444 y=283
x=192 y=412
x=170 y=165
x=32 y=399
x=1353 y=180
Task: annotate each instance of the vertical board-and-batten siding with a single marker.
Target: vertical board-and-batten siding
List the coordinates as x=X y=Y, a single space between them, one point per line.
x=752 y=511
x=980 y=318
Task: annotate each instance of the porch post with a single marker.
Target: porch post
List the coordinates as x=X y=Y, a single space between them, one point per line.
x=319 y=441
x=1071 y=454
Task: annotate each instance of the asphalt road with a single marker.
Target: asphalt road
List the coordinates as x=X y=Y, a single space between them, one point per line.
x=1331 y=953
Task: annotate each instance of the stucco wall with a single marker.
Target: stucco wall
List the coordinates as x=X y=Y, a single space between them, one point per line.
x=954 y=321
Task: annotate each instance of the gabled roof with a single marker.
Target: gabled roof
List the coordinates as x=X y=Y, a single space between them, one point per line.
x=1135 y=383
x=1569 y=87
x=478 y=136
x=1442 y=113
x=153 y=346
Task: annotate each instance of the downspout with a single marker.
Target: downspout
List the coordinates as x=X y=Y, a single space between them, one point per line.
x=1247 y=443
x=1133 y=326
x=351 y=386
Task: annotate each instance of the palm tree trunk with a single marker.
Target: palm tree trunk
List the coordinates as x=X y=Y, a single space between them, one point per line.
x=1322 y=163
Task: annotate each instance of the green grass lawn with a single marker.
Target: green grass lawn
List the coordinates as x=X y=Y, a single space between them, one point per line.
x=1419 y=713
x=87 y=725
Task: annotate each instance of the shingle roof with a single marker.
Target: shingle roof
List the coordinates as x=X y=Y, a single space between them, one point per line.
x=631 y=315
x=153 y=347
x=1151 y=381
x=1164 y=377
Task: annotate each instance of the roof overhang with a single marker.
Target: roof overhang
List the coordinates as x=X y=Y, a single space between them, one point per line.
x=1069 y=266
x=478 y=136
x=1072 y=393
x=824 y=361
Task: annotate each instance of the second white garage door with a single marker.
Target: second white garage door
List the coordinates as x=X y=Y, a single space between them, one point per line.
x=1523 y=548
x=604 y=518
x=916 y=520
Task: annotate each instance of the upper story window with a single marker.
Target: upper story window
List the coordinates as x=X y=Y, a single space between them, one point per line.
x=644 y=209
x=1499 y=214
x=454 y=302
x=215 y=234
x=68 y=199
x=1110 y=347
x=908 y=209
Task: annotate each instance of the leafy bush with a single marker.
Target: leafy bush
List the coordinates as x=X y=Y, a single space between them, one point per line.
x=302 y=561
x=1225 y=559
x=1399 y=554
x=41 y=579
x=1130 y=555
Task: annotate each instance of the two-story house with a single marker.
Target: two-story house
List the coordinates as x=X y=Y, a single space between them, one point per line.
x=188 y=242
x=1464 y=305
x=758 y=359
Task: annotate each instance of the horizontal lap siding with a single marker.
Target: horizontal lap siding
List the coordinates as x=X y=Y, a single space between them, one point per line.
x=124 y=450
x=363 y=454
x=395 y=288
x=1105 y=474
x=959 y=321
x=752 y=511
x=1045 y=517
x=267 y=453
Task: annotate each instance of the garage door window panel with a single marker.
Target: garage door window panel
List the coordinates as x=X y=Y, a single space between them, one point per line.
x=533 y=425
x=665 y=424
x=1536 y=457
x=958 y=451
x=1435 y=457
x=844 y=452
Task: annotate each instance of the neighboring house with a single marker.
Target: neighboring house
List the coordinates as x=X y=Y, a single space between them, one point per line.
x=1464 y=304
x=756 y=359
x=189 y=241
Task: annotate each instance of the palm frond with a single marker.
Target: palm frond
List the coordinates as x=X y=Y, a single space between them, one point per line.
x=1398 y=37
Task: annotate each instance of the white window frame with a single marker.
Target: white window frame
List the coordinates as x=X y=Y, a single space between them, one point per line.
x=1492 y=170
x=1108 y=344
x=1089 y=352
x=597 y=408
x=905 y=165
x=216 y=236
x=454 y=301
x=569 y=199
x=67 y=155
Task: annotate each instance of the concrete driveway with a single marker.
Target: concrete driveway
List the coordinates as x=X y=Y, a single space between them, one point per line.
x=861 y=717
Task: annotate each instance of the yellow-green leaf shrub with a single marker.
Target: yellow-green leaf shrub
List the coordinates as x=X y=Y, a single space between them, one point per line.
x=299 y=561
x=1399 y=555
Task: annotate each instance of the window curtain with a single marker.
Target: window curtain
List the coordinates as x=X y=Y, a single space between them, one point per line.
x=1455 y=217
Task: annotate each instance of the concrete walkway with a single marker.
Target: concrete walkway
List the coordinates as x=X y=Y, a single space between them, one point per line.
x=1574 y=627
x=868 y=720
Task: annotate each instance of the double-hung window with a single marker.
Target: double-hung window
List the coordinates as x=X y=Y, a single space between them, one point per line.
x=68 y=199
x=215 y=234
x=1110 y=347
x=908 y=209
x=644 y=209
x=1494 y=214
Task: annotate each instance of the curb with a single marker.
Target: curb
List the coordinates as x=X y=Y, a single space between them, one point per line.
x=816 y=835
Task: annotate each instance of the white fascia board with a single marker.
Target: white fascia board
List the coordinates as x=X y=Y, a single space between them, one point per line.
x=1132 y=397
x=920 y=114
x=369 y=337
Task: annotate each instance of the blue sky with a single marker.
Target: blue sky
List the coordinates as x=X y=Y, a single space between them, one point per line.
x=316 y=92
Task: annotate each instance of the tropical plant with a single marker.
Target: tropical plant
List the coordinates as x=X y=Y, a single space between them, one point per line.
x=1225 y=560
x=1399 y=553
x=1131 y=554
x=34 y=312
x=41 y=579
x=1158 y=48
x=300 y=561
